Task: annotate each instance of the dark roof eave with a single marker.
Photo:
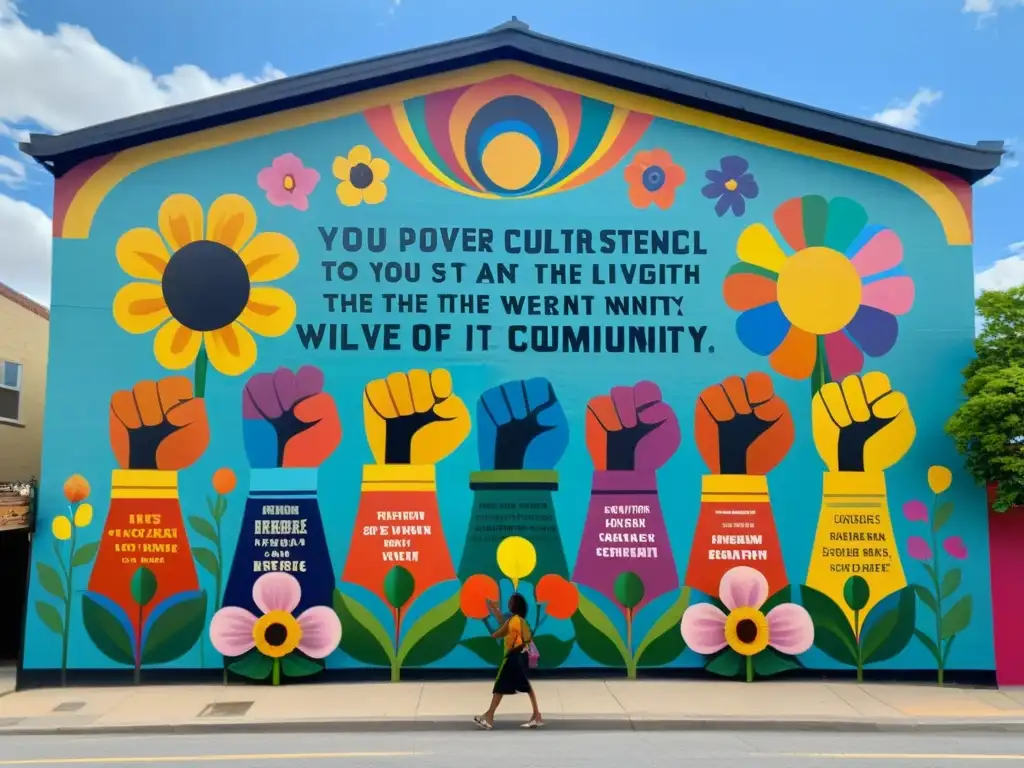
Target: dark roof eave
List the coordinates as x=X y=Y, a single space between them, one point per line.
x=969 y=162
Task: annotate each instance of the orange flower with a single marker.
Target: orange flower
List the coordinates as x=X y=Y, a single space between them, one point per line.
x=224 y=481
x=653 y=178
x=561 y=598
x=76 y=488
x=477 y=590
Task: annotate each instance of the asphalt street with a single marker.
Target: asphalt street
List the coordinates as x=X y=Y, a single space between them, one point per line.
x=524 y=749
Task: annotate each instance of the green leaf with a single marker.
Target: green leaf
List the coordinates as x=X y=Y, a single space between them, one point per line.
x=833 y=634
x=254 y=665
x=207 y=558
x=664 y=642
x=891 y=632
x=926 y=597
x=399 y=585
x=856 y=593
x=50 y=616
x=596 y=635
x=726 y=664
x=629 y=590
x=945 y=651
x=106 y=631
x=297 y=665
x=487 y=649
x=958 y=617
x=204 y=528
x=143 y=586
x=770 y=662
x=84 y=554
x=942 y=514
x=171 y=633
x=51 y=580
x=219 y=509
x=951 y=582
x=553 y=650
x=928 y=643
x=784 y=595
x=363 y=637
x=434 y=635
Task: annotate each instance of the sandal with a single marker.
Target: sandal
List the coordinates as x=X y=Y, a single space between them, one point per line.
x=533 y=723
x=482 y=723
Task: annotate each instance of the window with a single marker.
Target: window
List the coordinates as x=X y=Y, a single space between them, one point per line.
x=10 y=390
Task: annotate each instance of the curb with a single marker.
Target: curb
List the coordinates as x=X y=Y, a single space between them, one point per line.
x=451 y=724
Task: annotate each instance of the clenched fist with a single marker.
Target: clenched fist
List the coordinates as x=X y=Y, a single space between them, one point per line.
x=861 y=424
x=288 y=420
x=414 y=417
x=632 y=428
x=521 y=425
x=742 y=427
x=158 y=425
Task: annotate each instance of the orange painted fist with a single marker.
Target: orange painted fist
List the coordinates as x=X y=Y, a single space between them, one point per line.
x=742 y=427
x=158 y=425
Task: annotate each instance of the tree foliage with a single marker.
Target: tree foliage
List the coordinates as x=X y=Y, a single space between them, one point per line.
x=988 y=429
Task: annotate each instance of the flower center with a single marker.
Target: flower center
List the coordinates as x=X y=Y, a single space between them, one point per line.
x=289 y=182
x=746 y=630
x=819 y=290
x=276 y=634
x=360 y=176
x=731 y=185
x=205 y=285
x=653 y=178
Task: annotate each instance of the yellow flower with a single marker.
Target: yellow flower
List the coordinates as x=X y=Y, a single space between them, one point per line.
x=83 y=515
x=362 y=177
x=939 y=479
x=746 y=631
x=276 y=634
x=202 y=287
x=61 y=528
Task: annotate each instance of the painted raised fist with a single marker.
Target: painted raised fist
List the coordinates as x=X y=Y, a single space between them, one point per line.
x=861 y=424
x=631 y=428
x=288 y=420
x=158 y=425
x=742 y=427
x=521 y=425
x=414 y=417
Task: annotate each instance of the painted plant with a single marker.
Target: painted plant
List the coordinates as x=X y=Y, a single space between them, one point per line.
x=653 y=179
x=361 y=177
x=288 y=182
x=731 y=186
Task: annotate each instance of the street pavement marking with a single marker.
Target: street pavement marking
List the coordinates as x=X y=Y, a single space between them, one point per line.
x=201 y=758
x=886 y=756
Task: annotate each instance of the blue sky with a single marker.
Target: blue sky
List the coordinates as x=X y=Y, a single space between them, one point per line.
x=948 y=68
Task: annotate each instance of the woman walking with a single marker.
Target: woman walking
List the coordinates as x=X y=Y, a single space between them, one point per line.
x=513 y=672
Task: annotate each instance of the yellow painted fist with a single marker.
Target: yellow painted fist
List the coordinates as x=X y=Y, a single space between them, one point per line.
x=414 y=418
x=861 y=424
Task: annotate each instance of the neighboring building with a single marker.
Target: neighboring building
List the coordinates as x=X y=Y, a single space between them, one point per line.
x=618 y=337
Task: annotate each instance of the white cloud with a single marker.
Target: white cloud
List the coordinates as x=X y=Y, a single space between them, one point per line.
x=906 y=114
x=12 y=172
x=988 y=8
x=1004 y=273
x=1009 y=162
x=25 y=248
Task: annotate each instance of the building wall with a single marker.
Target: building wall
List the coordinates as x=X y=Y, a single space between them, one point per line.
x=24 y=339
x=679 y=380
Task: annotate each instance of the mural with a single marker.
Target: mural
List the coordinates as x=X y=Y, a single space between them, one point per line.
x=567 y=339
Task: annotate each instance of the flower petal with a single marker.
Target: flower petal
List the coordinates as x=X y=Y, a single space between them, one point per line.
x=140 y=307
x=734 y=166
x=341 y=168
x=380 y=168
x=703 y=628
x=633 y=173
x=288 y=164
x=763 y=329
x=796 y=355
x=789 y=220
x=276 y=591
x=269 y=256
x=846 y=219
x=724 y=203
x=674 y=175
x=918 y=548
x=743 y=587
x=321 y=632
x=894 y=295
x=790 y=629
x=141 y=253
x=176 y=346
x=815 y=219
x=231 y=222
x=874 y=331
x=712 y=190
x=306 y=180
x=747 y=291
x=359 y=154
x=269 y=311
x=748 y=186
x=232 y=349
x=375 y=193
x=231 y=631
x=639 y=196
x=877 y=250
x=349 y=195
x=757 y=246
x=181 y=221
x=269 y=180
x=843 y=356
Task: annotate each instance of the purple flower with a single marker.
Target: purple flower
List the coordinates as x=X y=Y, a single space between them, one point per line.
x=732 y=185
x=918 y=548
x=955 y=546
x=915 y=511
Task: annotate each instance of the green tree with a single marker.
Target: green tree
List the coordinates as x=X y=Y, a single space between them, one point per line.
x=988 y=428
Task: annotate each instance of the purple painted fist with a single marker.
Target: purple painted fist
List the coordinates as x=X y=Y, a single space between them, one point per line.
x=631 y=429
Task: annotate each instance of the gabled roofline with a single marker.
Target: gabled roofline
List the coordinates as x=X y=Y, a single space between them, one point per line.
x=515 y=41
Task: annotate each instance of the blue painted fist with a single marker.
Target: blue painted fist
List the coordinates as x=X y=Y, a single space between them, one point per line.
x=521 y=425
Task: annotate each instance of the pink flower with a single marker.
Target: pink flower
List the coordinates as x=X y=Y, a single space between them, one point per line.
x=276 y=633
x=955 y=546
x=918 y=548
x=915 y=511
x=288 y=182
x=787 y=627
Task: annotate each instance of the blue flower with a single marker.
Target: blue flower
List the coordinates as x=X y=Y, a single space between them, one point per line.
x=732 y=185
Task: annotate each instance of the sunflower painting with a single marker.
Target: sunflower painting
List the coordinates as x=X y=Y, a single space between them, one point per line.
x=818 y=310
x=200 y=285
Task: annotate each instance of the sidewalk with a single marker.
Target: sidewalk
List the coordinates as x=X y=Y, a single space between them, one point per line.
x=594 y=705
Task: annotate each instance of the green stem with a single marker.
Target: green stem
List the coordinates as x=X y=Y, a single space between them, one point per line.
x=217 y=581
x=396 y=671
x=750 y=669
x=276 y=675
x=138 y=649
x=202 y=364
x=941 y=667
x=66 y=635
x=860 y=650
